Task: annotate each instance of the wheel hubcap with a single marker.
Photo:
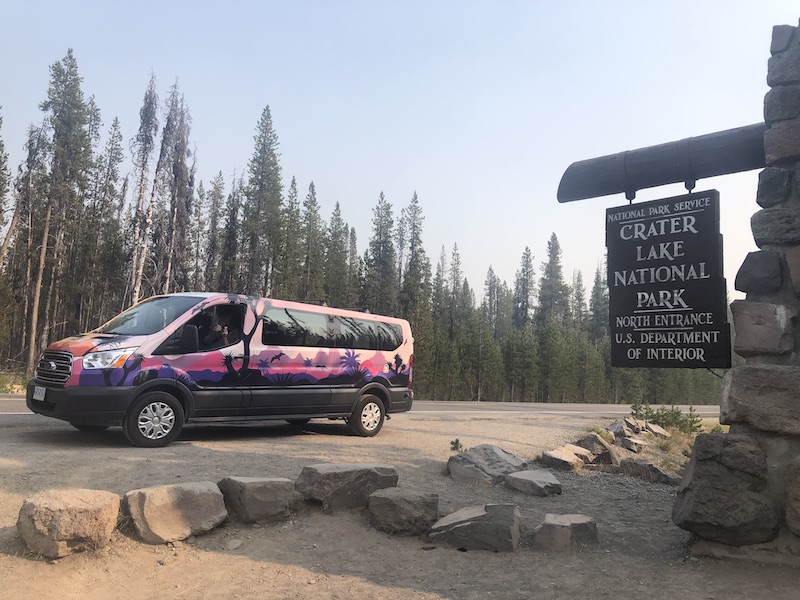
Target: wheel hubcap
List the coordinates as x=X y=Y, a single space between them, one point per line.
x=156 y=420
x=370 y=416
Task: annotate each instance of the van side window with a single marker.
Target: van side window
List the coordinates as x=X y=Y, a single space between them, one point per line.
x=289 y=327
x=389 y=336
x=212 y=322
x=356 y=334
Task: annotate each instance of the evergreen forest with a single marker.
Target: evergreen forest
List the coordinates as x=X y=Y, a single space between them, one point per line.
x=82 y=241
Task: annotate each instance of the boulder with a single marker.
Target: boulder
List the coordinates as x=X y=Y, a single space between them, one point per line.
x=254 y=499
x=561 y=458
x=401 y=511
x=492 y=527
x=55 y=523
x=634 y=467
x=619 y=430
x=658 y=431
x=633 y=444
x=594 y=443
x=539 y=482
x=773 y=188
x=632 y=424
x=762 y=328
x=485 y=463
x=344 y=485
x=558 y=533
x=761 y=272
x=585 y=455
x=776 y=226
x=792 y=258
x=719 y=497
x=170 y=513
x=762 y=396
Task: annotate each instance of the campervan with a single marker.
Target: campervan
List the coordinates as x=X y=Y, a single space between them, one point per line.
x=194 y=357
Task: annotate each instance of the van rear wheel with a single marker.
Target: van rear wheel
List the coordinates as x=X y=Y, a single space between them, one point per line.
x=368 y=416
x=155 y=420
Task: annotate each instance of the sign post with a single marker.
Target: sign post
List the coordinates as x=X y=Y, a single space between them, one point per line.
x=667 y=295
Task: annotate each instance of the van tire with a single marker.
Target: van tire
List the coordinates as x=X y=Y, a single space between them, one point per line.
x=367 y=417
x=155 y=420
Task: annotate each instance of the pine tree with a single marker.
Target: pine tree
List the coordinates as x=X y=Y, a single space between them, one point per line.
x=262 y=213
x=229 y=272
x=553 y=292
x=290 y=257
x=381 y=261
x=336 y=263
x=415 y=289
x=214 y=240
x=598 y=309
x=524 y=292
x=67 y=115
x=5 y=184
x=312 y=283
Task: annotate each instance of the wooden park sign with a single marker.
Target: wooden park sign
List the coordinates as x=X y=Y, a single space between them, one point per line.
x=667 y=295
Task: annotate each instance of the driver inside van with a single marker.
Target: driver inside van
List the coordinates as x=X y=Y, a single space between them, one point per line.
x=226 y=331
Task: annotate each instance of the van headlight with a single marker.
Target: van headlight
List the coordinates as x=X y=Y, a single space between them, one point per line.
x=107 y=359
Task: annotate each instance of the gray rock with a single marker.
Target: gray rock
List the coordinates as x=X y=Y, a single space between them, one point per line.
x=720 y=497
x=169 y=513
x=254 y=499
x=633 y=444
x=773 y=187
x=559 y=533
x=561 y=458
x=539 y=482
x=762 y=396
x=783 y=550
x=658 y=431
x=612 y=457
x=402 y=511
x=580 y=452
x=634 y=467
x=492 y=527
x=762 y=328
x=55 y=523
x=781 y=37
x=344 y=485
x=783 y=68
x=632 y=424
x=619 y=430
x=776 y=226
x=594 y=443
x=793 y=496
x=486 y=463
x=782 y=103
x=760 y=273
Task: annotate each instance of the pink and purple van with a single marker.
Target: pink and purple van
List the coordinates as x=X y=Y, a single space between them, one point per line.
x=176 y=358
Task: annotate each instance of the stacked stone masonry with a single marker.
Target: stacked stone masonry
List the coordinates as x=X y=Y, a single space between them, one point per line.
x=743 y=488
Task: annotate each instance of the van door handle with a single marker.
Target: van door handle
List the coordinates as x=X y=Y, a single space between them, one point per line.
x=240 y=357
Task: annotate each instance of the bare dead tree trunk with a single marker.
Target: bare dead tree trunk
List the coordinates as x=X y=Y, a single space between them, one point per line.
x=171 y=248
x=139 y=269
x=10 y=233
x=137 y=227
x=37 y=294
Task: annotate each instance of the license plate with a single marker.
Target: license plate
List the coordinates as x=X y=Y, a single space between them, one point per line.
x=38 y=392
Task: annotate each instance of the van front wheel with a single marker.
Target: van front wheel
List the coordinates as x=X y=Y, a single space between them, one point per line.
x=368 y=416
x=155 y=420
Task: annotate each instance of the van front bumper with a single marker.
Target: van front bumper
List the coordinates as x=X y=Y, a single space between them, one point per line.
x=81 y=405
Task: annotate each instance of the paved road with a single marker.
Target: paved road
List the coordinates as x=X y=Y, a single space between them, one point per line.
x=14 y=403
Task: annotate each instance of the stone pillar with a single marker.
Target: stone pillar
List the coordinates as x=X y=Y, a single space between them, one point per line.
x=757 y=463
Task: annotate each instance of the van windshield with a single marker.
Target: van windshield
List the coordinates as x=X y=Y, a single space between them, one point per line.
x=149 y=316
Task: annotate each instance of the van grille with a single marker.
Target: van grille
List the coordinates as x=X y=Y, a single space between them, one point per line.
x=54 y=367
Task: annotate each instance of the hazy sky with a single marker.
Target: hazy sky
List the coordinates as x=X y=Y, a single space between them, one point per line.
x=478 y=106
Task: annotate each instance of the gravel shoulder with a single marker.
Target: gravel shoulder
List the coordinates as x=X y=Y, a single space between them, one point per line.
x=320 y=556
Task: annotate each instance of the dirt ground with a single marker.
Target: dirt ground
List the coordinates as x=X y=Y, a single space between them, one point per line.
x=319 y=556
